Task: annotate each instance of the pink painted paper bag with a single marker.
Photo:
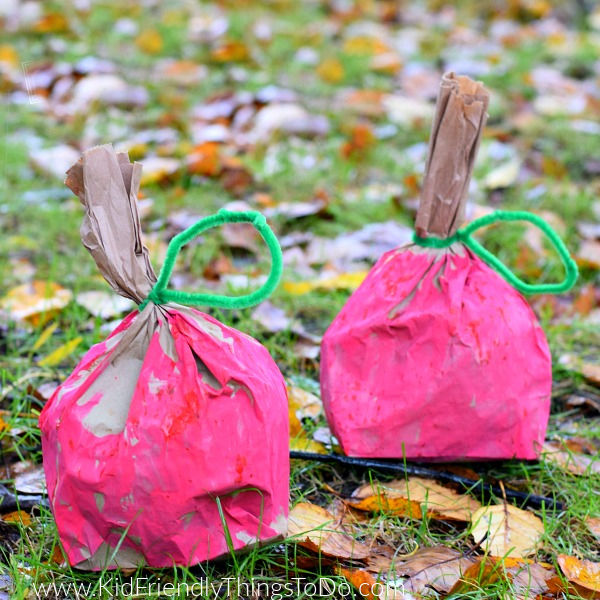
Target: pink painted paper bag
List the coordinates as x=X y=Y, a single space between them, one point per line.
x=436 y=356
x=170 y=436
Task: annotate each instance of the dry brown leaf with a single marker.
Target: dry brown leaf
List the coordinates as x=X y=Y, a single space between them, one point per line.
x=403 y=496
x=438 y=567
x=504 y=529
x=580 y=572
x=591 y=372
x=574 y=462
x=317 y=529
x=528 y=578
x=593 y=524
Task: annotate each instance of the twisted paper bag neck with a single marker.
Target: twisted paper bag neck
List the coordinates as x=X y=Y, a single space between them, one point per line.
x=455 y=137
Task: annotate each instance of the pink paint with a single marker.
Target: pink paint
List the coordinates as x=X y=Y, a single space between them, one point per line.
x=436 y=357
x=192 y=433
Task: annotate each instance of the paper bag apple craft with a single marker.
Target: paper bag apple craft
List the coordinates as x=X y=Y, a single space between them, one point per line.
x=168 y=444
x=437 y=355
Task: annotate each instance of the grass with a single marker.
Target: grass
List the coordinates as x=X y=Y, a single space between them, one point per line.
x=39 y=222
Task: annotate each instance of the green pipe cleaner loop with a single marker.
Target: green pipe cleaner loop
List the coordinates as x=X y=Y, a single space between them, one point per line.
x=464 y=235
x=161 y=295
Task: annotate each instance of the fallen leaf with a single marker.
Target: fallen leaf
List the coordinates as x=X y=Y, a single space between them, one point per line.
x=17 y=516
x=317 y=529
x=527 y=578
x=504 y=529
x=503 y=176
x=54 y=161
x=104 y=304
x=149 y=41
x=302 y=443
x=205 y=159
x=57 y=557
x=585 y=302
x=439 y=567
x=574 y=462
x=157 y=168
x=58 y=355
x=348 y=281
x=44 y=336
x=362 y=580
x=407 y=111
x=530 y=579
x=331 y=70
x=31 y=481
x=593 y=524
x=235 y=177
x=361 y=139
x=230 y=51
x=402 y=495
x=271 y=317
x=477 y=575
x=304 y=403
x=589 y=254
x=8 y=55
x=591 y=371
x=52 y=23
x=36 y=302
x=580 y=571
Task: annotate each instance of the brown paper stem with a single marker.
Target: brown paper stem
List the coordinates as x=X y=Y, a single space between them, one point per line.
x=455 y=135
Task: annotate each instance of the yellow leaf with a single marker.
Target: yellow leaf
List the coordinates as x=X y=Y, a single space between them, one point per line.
x=303 y=444
x=581 y=572
x=8 y=55
x=348 y=281
x=149 y=41
x=408 y=497
x=331 y=70
x=504 y=529
x=60 y=353
x=18 y=516
x=317 y=529
x=45 y=336
x=52 y=23
x=36 y=302
x=303 y=403
x=230 y=51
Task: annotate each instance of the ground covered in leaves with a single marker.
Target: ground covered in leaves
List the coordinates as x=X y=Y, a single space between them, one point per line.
x=317 y=113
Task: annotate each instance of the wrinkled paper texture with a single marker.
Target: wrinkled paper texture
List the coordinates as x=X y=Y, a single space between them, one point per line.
x=107 y=185
x=455 y=135
x=436 y=357
x=172 y=412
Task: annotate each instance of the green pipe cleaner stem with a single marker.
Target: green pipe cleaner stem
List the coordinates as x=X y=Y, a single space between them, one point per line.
x=160 y=294
x=464 y=235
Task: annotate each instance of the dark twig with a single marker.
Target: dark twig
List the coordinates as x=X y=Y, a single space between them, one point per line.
x=478 y=486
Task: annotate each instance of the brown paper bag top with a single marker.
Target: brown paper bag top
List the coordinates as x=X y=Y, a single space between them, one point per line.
x=107 y=184
x=461 y=112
